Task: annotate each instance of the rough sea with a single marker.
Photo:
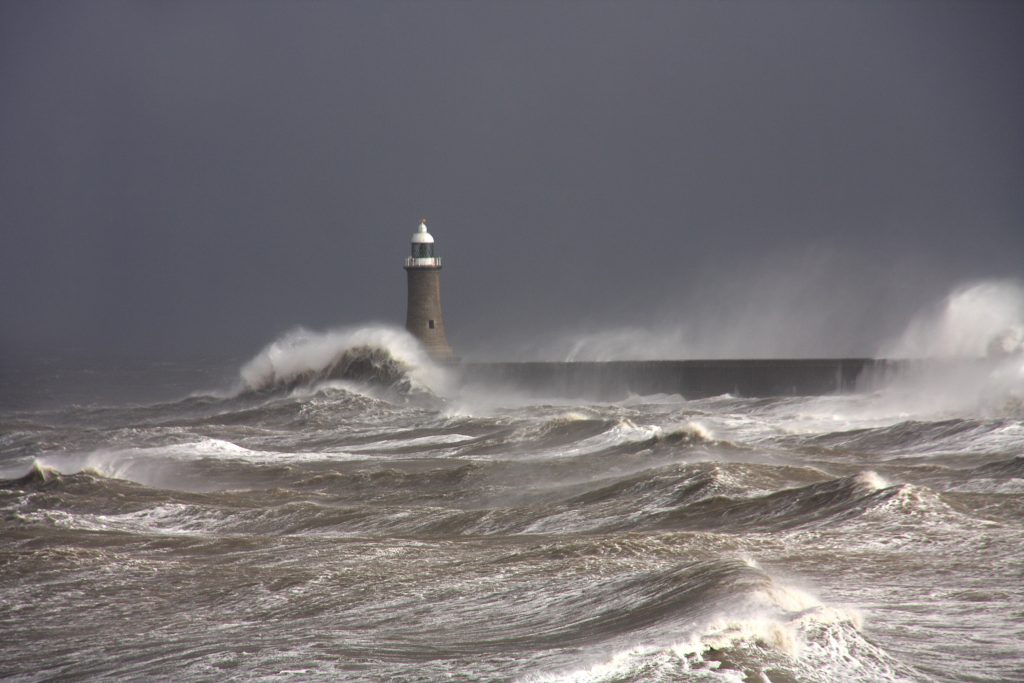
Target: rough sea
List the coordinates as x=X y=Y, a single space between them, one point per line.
x=366 y=516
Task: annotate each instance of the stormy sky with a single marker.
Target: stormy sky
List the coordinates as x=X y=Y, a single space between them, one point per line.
x=703 y=178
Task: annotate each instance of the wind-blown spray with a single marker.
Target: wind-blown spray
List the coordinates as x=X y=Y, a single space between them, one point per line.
x=972 y=342
x=305 y=356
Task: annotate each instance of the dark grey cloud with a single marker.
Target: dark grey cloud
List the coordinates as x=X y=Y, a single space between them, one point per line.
x=180 y=178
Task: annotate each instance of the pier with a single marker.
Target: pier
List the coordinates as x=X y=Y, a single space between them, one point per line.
x=616 y=380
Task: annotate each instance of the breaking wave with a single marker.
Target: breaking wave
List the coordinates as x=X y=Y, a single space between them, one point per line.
x=378 y=357
x=748 y=627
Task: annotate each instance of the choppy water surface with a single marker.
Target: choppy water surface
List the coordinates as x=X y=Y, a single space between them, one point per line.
x=383 y=529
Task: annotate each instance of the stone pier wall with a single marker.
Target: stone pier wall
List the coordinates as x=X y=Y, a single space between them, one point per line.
x=692 y=379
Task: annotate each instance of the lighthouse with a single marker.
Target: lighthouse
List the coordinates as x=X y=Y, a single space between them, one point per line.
x=423 y=316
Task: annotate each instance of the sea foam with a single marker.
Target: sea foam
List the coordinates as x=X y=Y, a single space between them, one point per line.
x=306 y=355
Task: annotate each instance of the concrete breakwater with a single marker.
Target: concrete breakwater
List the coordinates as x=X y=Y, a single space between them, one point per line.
x=615 y=380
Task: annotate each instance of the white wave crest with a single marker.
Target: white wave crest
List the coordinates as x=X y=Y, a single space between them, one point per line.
x=301 y=352
x=172 y=466
x=777 y=627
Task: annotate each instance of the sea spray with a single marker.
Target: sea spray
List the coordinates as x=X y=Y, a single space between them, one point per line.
x=379 y=355
x=964 y=356
x=627 y=343
x=974 y=320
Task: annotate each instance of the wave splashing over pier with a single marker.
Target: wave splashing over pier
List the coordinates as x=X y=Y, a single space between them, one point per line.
x=372 y=357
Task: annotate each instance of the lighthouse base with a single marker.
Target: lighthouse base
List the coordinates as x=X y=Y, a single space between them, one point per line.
x=423 y=318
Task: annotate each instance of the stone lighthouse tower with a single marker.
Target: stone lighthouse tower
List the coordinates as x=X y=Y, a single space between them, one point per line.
x=423 y=316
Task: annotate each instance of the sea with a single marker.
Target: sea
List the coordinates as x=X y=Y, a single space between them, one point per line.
x=340 y=508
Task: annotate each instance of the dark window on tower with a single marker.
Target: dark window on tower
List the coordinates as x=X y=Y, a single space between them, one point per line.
x=430 y=324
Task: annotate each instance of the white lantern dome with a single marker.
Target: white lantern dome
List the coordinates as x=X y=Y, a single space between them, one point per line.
x=421 y=236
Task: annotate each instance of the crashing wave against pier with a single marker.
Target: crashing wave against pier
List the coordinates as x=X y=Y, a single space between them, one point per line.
x=377 y=358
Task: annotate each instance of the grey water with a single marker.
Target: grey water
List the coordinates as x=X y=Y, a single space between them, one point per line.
x=317 y=516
